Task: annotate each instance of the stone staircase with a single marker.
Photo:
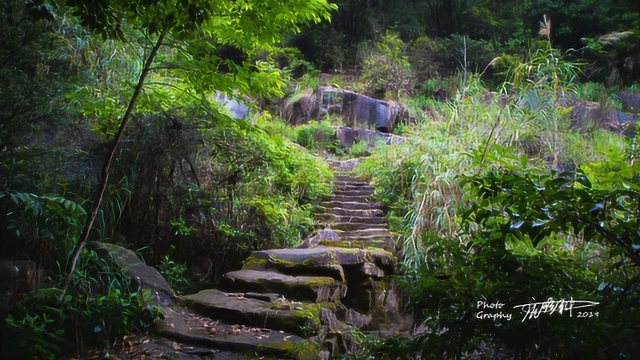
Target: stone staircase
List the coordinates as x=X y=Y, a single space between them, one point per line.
x=305 y=302
x=357 y=220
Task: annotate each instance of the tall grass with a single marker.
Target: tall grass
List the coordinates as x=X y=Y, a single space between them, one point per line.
x=417 y=180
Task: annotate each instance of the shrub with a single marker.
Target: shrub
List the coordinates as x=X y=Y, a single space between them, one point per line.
x=386 y=68
x=98 y=306
x=428 y=59
x=318 y=136
x=359 y=149
x=44 y=226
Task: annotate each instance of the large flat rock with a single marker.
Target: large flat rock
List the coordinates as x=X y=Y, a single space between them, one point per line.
x=237 y=308
x=305 y=288
x=323 y=255
x=187 y=327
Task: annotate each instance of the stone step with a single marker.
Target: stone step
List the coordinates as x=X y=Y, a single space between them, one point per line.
x=304 y=288
x=360 y=233
x=381 y=242
x=190 y=328
x=365 y=199
x=346 y=236
x=324 y=255
x=349 y=179
x=355 y=212
x=349 y=226
x=358 y=185
x=332 y=218
x=236 y=308
x=351 y=185
x=350 y=205
x=354 y=192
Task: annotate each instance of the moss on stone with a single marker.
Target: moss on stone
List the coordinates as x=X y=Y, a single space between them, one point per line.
x=254 y=263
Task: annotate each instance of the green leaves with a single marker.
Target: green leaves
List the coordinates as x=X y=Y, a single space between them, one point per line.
x=98 y=307
x=598 y=200
x=387 y=68
x=45 y=224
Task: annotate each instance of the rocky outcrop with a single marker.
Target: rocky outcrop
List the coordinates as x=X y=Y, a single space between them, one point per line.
x=357 y=110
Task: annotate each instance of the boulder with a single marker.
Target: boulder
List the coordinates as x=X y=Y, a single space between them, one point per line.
x=142 y=277
x=630 y=101
x=356 y=319
x=356 y=109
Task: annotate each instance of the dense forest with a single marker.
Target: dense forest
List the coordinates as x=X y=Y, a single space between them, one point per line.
x=516 y=180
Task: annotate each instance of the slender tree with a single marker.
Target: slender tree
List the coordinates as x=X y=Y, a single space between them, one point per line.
x=192 y=25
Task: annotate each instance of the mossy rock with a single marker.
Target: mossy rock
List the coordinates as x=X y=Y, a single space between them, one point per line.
x=305 y=288
x=186 y=327
x=235 y=308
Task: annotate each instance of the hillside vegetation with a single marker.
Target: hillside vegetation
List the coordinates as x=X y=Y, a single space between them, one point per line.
x=501 y=190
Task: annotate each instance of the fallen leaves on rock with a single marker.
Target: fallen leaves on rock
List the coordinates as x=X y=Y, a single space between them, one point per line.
x=214 y=327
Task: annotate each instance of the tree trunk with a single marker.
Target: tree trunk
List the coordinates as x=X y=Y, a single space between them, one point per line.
x=99 y=196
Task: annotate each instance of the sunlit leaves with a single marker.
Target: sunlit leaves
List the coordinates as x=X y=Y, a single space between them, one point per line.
x=197 y=33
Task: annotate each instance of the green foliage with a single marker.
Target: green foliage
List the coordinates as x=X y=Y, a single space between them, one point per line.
x=519 y=224
x=359 y=149
x=224 y=189
x=34 y=72
x=318 y=136
x=97 y=307
x=545 y=68
x=432 y=85
x=504 y=63
x=612 y=56
x=45 y=226
x=386 y=68
x=428 y=58
x=415 y=181
x=572 y=20
x=596 y=202
x=176 y=275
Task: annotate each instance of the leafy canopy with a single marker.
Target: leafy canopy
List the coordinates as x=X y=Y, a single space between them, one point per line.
x=246 y=24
